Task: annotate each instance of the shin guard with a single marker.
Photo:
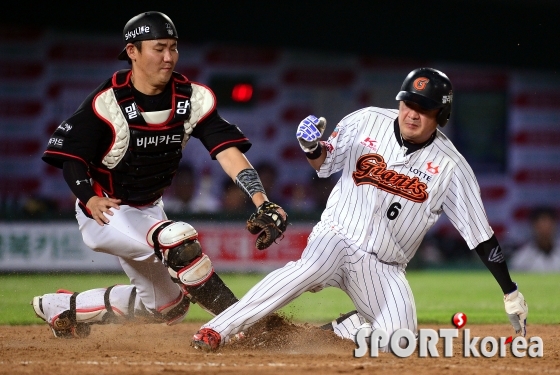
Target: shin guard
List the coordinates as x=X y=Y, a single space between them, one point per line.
x=213 y=296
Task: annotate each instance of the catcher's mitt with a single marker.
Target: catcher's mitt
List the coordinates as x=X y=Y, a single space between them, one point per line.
x=267 y=223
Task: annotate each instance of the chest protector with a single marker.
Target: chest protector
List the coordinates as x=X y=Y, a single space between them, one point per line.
x=143 y=157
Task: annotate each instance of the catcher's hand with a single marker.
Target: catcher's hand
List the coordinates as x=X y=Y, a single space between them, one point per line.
x=310 y=131
x=268 y=223
x=517 y=309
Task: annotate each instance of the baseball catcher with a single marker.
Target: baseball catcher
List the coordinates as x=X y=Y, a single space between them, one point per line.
x=118 y=153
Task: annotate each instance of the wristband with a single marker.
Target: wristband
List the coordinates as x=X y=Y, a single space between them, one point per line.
x=315 y=154
x=249 y=182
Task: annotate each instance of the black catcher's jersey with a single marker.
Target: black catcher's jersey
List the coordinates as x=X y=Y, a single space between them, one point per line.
x=132 y=143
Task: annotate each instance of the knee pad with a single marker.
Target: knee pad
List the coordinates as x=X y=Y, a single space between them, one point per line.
x=176 y=244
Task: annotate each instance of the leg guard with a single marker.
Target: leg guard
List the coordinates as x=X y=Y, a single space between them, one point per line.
x=176 y=244
x=171 y=313
x=71 y=314
x=65 y=325
x=213 y=296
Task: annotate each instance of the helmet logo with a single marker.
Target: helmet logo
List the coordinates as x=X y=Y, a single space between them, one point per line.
x=131 y=34
x=420 y=83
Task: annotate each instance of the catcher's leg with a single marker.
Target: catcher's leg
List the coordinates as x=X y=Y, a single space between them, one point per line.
x=177 y=244
x=71 y=314
x=125 y=238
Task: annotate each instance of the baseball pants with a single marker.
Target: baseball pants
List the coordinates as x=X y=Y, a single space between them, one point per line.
x=125 y=237
x=379 y=291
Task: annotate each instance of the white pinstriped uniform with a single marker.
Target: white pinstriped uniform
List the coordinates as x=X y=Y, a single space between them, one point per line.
x=375 y=219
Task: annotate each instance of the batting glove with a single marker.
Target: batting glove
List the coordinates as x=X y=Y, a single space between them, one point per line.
x=310 y=131
x=517 y=309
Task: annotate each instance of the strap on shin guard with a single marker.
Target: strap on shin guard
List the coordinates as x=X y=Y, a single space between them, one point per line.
x=157 y=248
x=131 y=303
x=72 y=313
x=213 y=296
x=110 y=316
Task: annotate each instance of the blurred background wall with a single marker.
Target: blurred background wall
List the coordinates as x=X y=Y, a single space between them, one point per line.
x=270 y=65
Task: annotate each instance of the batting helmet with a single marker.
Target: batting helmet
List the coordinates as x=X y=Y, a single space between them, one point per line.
x=430 y=89
x=147 y=26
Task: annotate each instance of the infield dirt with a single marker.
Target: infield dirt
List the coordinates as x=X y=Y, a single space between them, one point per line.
x=272 y=347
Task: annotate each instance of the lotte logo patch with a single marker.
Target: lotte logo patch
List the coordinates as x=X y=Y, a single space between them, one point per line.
x=431 y=168
x=369 y=143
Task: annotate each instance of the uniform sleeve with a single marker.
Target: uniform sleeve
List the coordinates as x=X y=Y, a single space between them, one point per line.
x=216 y=134
x=338 y=145
x=82 y=137
x=463 y=206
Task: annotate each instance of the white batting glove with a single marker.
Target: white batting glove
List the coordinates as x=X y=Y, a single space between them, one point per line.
x=310 y=131
x=517 y=309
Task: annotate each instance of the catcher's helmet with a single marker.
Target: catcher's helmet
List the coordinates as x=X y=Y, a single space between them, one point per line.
x=430 y=89
x=147 y=26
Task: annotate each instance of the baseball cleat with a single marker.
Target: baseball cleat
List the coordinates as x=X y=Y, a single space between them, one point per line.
x=76 y=330
x=330 y=326
x=206 y=339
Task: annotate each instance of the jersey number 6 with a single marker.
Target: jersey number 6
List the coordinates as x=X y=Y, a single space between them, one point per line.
x=393 y=211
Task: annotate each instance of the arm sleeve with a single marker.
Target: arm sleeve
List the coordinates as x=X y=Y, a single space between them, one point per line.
x=76 y=176
x=491 y=255
x=216 y=134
